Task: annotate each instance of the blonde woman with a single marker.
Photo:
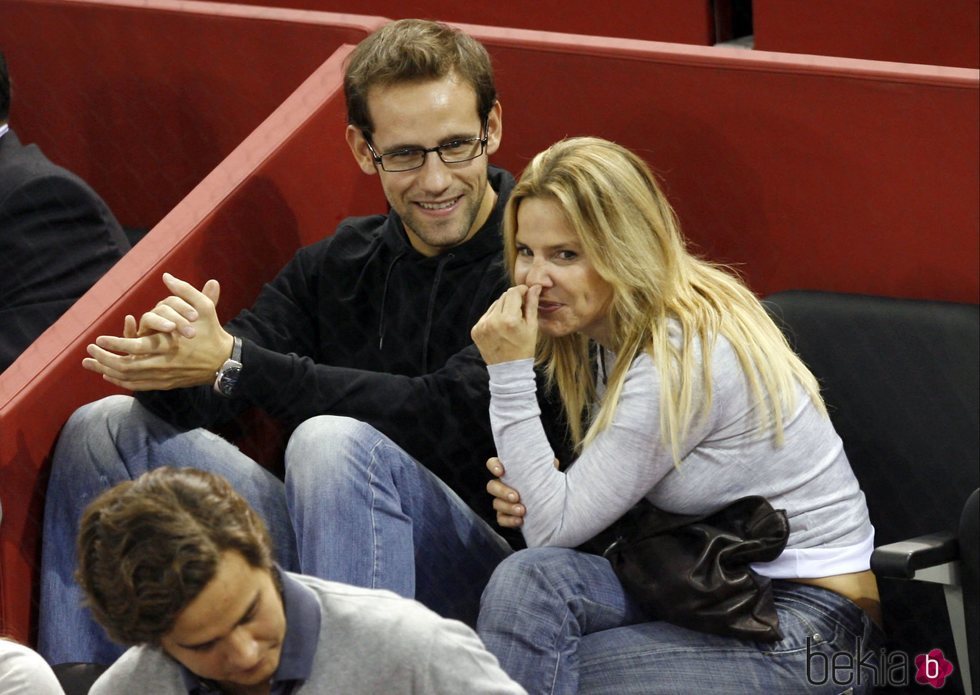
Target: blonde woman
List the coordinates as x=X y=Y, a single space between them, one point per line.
x=678 y=388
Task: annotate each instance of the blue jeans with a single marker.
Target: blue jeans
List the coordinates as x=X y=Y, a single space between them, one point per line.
x=366 y=513
x=105 y=443
x=362 y=509
x=559 y=622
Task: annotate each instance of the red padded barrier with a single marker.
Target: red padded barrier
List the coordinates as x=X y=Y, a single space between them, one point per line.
x=288 y=184
x=154 y=95
x=905 y=31
x=684 y=21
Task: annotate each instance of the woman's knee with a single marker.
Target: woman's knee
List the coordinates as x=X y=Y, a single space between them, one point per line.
x=520 y=589
x=532 y=568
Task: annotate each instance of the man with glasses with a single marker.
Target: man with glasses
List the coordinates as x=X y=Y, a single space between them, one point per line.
x=361 y=343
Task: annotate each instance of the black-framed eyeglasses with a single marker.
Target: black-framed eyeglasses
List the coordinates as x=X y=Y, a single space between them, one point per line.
x=452 y=152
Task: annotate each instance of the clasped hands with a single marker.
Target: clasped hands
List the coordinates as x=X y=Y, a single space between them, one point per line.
x=178 y=343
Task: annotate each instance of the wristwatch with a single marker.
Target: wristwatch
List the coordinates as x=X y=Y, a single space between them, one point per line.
x=226 y=378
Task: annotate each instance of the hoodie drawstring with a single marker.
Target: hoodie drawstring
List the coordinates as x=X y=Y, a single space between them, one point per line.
x=384 y=298
x=431 y=311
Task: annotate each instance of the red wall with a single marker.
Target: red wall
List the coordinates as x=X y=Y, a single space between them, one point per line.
x=142 y=102
x=805 y=172
x=117 y=112
x=932 y=32
x=681 y=21
x=278 y=190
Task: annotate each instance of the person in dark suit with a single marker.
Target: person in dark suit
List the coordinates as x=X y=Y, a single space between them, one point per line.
x=57 y=237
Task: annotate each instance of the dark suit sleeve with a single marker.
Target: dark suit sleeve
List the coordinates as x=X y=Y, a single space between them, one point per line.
x=57 y=238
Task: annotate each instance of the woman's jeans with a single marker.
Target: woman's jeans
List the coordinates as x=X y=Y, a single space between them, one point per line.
x=559 y=621
x=363 y=512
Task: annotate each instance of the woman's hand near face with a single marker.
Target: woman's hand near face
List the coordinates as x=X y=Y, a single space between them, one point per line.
x=509 y=328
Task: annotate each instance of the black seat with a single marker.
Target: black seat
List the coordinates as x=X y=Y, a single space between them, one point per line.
x=900 y=378
x=77 y=678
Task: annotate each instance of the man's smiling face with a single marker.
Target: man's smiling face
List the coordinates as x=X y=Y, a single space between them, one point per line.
x=441 y=205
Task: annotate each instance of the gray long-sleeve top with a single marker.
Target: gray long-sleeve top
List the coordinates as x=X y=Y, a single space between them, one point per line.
x=724 y=456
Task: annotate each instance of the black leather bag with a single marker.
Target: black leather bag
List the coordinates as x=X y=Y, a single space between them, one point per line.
x=694 y=571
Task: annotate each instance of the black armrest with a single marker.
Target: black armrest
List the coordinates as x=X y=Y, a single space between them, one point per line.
x=902 y=559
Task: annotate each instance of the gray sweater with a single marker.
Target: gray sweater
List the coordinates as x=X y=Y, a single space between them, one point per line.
x=724 y=456
x=369 y=642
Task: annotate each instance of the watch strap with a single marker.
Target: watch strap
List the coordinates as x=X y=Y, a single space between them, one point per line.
x=236 y=349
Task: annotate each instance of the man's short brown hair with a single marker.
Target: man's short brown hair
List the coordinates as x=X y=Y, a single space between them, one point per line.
x=415 y=50
x=148 y=547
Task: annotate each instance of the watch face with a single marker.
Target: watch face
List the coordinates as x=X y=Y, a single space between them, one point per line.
x=229 y=378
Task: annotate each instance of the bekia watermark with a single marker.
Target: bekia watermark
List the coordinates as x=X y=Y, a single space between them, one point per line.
x=933 y=668
x=880 y=668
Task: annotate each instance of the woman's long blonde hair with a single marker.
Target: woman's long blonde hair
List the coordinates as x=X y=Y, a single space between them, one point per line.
x=632 y=238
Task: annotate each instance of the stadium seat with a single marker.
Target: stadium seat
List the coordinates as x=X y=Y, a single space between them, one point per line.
x=900 y=378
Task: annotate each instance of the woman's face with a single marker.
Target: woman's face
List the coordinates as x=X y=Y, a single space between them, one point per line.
x=574 y=299
x=232 y=632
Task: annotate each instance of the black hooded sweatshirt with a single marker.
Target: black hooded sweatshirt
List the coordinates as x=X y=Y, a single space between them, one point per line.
x=361 y=324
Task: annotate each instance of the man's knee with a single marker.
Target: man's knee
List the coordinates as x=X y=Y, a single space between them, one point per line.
x=105 y=414
x=101 y=439
x=83 y=463
x=90 y=432
x=326 y=444
x=333 y=429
